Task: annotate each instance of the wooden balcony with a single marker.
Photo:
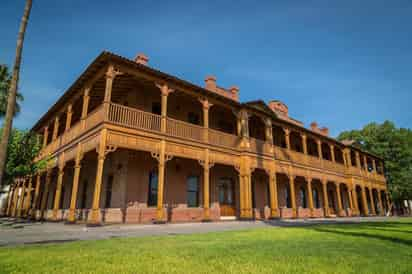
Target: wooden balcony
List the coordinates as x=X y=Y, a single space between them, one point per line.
x=140 y=120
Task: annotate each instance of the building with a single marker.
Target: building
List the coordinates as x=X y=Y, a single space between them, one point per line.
x=129 y=143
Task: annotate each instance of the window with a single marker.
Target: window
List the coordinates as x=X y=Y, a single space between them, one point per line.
x=156 y=108
x=303 y=197
x=193 y=191
x=109 y=186
x=193 y=118
x=316 y=198
x=152 y=199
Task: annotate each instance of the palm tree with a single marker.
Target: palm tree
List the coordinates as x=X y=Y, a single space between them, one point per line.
x=5 y=80
x=11 y=98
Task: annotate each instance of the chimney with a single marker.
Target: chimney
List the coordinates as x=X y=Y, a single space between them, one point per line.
x=141 y=59
x=234 y=90
x=314 y=126
x=324 y=131
x=210 y=83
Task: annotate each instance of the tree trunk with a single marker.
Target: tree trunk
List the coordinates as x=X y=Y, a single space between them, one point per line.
x=11 y=100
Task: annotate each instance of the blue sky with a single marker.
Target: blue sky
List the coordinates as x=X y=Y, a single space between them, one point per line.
x=340 y=63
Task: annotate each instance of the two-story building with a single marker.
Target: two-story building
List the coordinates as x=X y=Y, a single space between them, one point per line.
x=129 y=143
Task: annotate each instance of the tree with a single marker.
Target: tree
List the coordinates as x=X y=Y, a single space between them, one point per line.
x=5 y=79
x=23 y=147
x=11 y=98
x=394 y=145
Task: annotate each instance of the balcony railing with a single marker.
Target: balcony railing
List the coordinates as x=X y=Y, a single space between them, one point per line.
x=134 y=118
x=137 y=119
x=184 y=130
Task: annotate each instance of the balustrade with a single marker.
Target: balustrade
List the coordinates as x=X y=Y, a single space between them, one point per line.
x=138 y=119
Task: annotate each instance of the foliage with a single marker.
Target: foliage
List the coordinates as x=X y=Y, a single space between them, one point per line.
x=23 y=147
x=394 y=145
x=350 y=248
x=5 y=79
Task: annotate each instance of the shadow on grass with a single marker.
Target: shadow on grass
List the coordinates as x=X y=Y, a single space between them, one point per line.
x=364 y=235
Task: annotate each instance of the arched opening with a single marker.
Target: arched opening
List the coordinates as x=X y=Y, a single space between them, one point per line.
x=279 y=138
x=296 y=141
x=256 y=128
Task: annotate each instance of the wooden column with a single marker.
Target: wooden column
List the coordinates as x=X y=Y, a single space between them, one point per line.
x=206 y=164
x=161 y=181
x=21 y=198
x=164 y=92
x=349 y=193
x=85 y=106
x=332 y=152
x=273 y=192
x=248 y=192
x=57 y=195
x=319 y=143
x=36 y=196
x=374 y=166
x=205 y=106
x=110 y=75
x=372 y=201
x=365 y=163
x=268 y=131
x=337 y=187
x=287 y=137
x=45 y=136
x=71 y=218
x=45 y=194
x=292 y=194
x=245 y=188
x=55 y=128
x=365 y=202
x=27 y=204
x=355 y=199
x=95 y=216
x=358 y=162
x=310 y=196
x=68 y=117
x=304 y=144
x=325 y=197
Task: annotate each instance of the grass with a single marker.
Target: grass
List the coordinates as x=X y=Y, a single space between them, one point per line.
x=361 y=248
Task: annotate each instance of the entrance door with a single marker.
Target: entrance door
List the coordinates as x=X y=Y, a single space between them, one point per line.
x=226 y=197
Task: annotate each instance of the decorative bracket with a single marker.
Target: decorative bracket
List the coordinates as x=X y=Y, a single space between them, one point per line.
x=164 y=89
x=209 y=165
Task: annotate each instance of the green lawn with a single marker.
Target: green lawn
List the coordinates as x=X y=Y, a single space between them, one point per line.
x=365 y=248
